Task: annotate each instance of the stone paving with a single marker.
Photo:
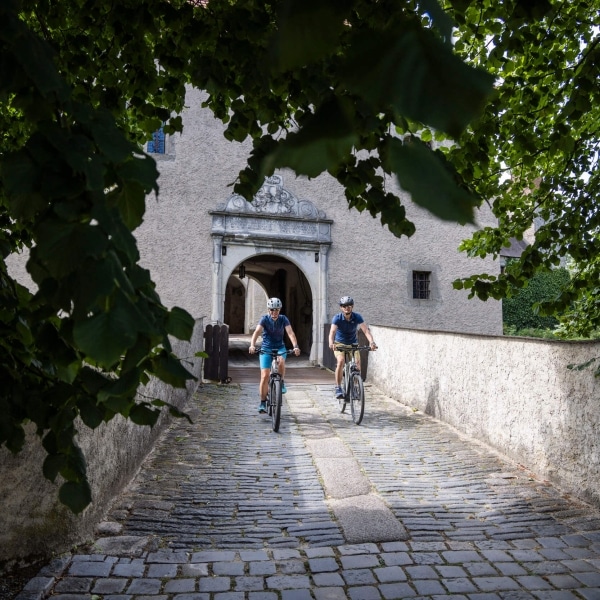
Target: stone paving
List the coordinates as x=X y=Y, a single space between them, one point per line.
x=401 y=506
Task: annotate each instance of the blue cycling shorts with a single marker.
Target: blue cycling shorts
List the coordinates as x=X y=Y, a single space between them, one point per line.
x=265 y=359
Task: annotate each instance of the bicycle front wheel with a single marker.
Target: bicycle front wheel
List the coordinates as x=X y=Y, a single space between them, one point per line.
x=357 y=398
x=275 y=392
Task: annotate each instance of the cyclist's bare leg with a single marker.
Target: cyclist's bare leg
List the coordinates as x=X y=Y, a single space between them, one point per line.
x=281 y=366
x=264 y=384
x=339 y=368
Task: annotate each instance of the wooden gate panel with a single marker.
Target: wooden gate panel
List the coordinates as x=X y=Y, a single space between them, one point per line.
x=223 y=343
x=210 y=370
x=329 y=361
x=216 y=345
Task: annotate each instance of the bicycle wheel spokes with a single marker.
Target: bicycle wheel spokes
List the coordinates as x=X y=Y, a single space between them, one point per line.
x=357 y=398
x=276 y=403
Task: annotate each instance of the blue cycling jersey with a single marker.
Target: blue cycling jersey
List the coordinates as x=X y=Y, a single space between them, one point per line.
x=347 y=329
x=273 y=331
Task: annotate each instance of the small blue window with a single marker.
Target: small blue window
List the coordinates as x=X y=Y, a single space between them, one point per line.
x=157 y=144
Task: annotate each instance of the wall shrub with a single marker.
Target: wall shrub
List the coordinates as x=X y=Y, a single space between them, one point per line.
x=518 y=312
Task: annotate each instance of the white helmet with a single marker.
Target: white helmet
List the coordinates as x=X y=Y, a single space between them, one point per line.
x=274 y=303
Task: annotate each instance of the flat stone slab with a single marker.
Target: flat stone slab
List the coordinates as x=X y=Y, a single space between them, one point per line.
x=123 y=545
x=342 y=477
x=367 y=519
x=106 y=528
x=328 y=447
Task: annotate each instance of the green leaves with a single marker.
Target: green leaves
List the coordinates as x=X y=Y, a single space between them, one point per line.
x=138 y=176
x=65 y=458
x=73 y=184
x=584 y=365
x=169 y=369
x=322 y=82
x=429 y=182
x=180 y=323
x=534 y=149
x=356 y=78
x=407 y=68
x=62 y=246
x=30 y=59
x=109 y=139
x=326 y=139
x=308 y=31
x=76 y=495
x=106 y=335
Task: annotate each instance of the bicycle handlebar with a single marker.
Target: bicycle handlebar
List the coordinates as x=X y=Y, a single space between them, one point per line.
x=275 y=352
x=349 y=348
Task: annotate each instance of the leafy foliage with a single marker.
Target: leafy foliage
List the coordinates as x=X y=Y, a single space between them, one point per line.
x=533 y=152
x=72 y=188
x=336 y=85
x=351 y=88
x=520 y=310
x=319 y=86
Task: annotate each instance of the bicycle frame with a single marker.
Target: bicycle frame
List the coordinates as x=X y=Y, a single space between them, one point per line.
x=274 y=394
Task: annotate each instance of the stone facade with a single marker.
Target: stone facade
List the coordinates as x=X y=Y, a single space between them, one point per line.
x=299 y=241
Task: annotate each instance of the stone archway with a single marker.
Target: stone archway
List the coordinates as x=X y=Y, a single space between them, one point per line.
x=275 y=223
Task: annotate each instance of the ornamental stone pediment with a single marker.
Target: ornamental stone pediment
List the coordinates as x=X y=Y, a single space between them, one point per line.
x=274 y=214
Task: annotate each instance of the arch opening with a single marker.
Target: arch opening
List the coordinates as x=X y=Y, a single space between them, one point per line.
x=264 y=276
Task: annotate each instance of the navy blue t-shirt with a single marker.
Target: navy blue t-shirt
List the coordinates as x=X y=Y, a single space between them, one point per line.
x=273 y=331
x=346 y=329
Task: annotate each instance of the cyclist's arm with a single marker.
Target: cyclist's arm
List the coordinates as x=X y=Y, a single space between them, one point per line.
x=257 y=332
x=365 y=329
x=332 y=336
x=293 y=339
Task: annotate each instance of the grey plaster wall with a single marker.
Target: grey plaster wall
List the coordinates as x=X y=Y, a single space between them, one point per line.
x=365 y=260
x=33 y=523
x=515 y=394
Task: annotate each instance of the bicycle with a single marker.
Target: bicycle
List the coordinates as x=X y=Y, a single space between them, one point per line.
x=274 y=398
x=352 y=383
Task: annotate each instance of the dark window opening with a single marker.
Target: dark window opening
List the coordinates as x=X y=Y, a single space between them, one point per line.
x=422 y=285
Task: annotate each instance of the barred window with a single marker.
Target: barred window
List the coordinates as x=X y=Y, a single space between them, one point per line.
x=422 y=285
x=157 y=144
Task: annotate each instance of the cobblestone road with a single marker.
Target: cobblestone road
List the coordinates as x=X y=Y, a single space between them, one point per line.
x=399 y=507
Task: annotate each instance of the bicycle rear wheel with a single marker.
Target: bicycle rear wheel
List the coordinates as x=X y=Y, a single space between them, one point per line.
x=342 y=400
x=357 y=397
x=275 y=393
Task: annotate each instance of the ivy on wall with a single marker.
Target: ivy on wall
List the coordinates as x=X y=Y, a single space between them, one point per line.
x=521 y=310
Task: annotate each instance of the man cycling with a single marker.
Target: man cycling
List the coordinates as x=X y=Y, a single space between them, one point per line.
x=344 y=330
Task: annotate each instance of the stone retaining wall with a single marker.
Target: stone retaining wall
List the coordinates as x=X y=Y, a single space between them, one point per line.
x=33 y=523
x=514 y=394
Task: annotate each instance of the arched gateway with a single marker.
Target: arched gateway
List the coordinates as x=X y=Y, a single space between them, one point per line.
x=275 y=223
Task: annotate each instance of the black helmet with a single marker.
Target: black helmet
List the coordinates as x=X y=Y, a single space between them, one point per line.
x=346 y=300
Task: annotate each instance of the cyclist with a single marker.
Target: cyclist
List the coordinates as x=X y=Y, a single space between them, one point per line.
x=344 y=330
x=273 y=327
